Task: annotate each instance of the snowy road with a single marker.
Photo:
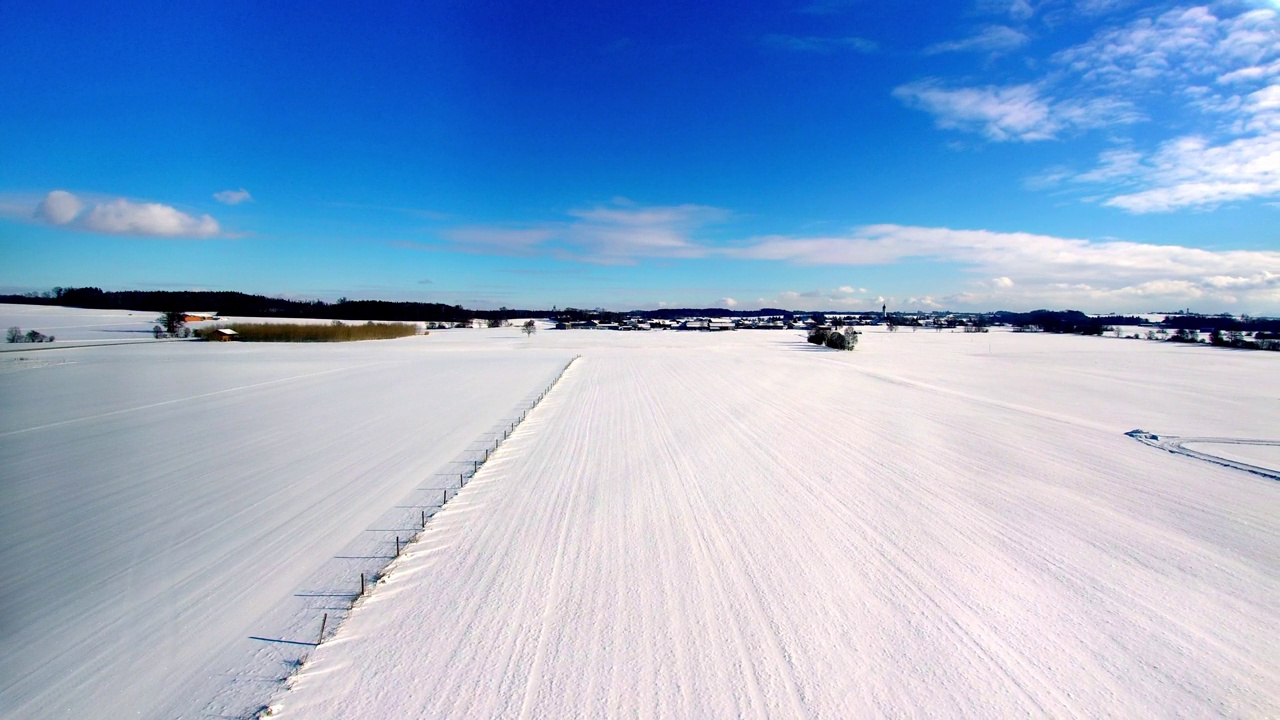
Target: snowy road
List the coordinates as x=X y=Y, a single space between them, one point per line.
x=750 y=527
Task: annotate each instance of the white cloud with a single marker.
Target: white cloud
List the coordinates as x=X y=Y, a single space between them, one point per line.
x=233 y=197
x=1015 y=112
x=59 y=207
x=122 y=217
x=728 y=302
x=1065 y=270
x=992 y=39
x=824 y=299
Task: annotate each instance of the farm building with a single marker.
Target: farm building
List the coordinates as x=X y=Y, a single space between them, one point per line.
x=223 y=334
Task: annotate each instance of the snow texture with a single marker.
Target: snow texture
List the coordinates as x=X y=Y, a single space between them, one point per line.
x=177 y=516
x=689 y=525
x=934 y=525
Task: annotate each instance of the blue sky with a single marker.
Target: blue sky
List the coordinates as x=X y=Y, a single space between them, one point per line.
x=1103 y=155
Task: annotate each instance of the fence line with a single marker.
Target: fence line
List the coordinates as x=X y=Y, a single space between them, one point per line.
x=463 y=478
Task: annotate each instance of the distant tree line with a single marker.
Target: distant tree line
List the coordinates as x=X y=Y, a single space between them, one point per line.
x=1222 y=323
x=244 y=305
x=1063 y=321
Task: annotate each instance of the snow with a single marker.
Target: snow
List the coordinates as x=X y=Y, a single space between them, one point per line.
x=713 y=526
x=690 y=524
x=1266 y=456
x=165 y=503
x=77 y=325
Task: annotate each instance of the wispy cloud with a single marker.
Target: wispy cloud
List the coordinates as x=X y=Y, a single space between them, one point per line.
x=1213 y=71
x=1228 y=70
x=1192 y=172
x=118 y=216
x=991 y=39
x=498 y=240
x=814 y=44
x=233 y=197
x=1178 y=45
x=1014 y=112
x=616 y=234
x=1018 y=10
x=828 y=7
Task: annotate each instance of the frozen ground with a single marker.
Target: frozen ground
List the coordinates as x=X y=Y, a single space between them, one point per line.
x=691 y=525
x=740 y=525
x=164 y=504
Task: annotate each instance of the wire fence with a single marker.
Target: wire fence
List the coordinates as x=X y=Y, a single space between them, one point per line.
x=455 y=479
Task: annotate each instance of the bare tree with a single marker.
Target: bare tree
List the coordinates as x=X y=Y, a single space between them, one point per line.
x=529 y=327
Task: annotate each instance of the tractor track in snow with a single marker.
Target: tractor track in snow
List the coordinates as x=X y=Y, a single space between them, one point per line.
x=1177 y=445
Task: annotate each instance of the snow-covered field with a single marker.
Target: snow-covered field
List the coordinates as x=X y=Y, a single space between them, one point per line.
x=74 y=325
x=690 y=525
x=165 y=503
x=937 y=524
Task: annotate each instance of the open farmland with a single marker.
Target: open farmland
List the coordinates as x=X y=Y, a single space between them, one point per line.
x=690 y=525
x=740 y=525
x=163 y=503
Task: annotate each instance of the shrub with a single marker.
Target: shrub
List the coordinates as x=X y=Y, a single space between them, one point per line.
x=299 y=332
x=845 y=340
x=819 y=336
